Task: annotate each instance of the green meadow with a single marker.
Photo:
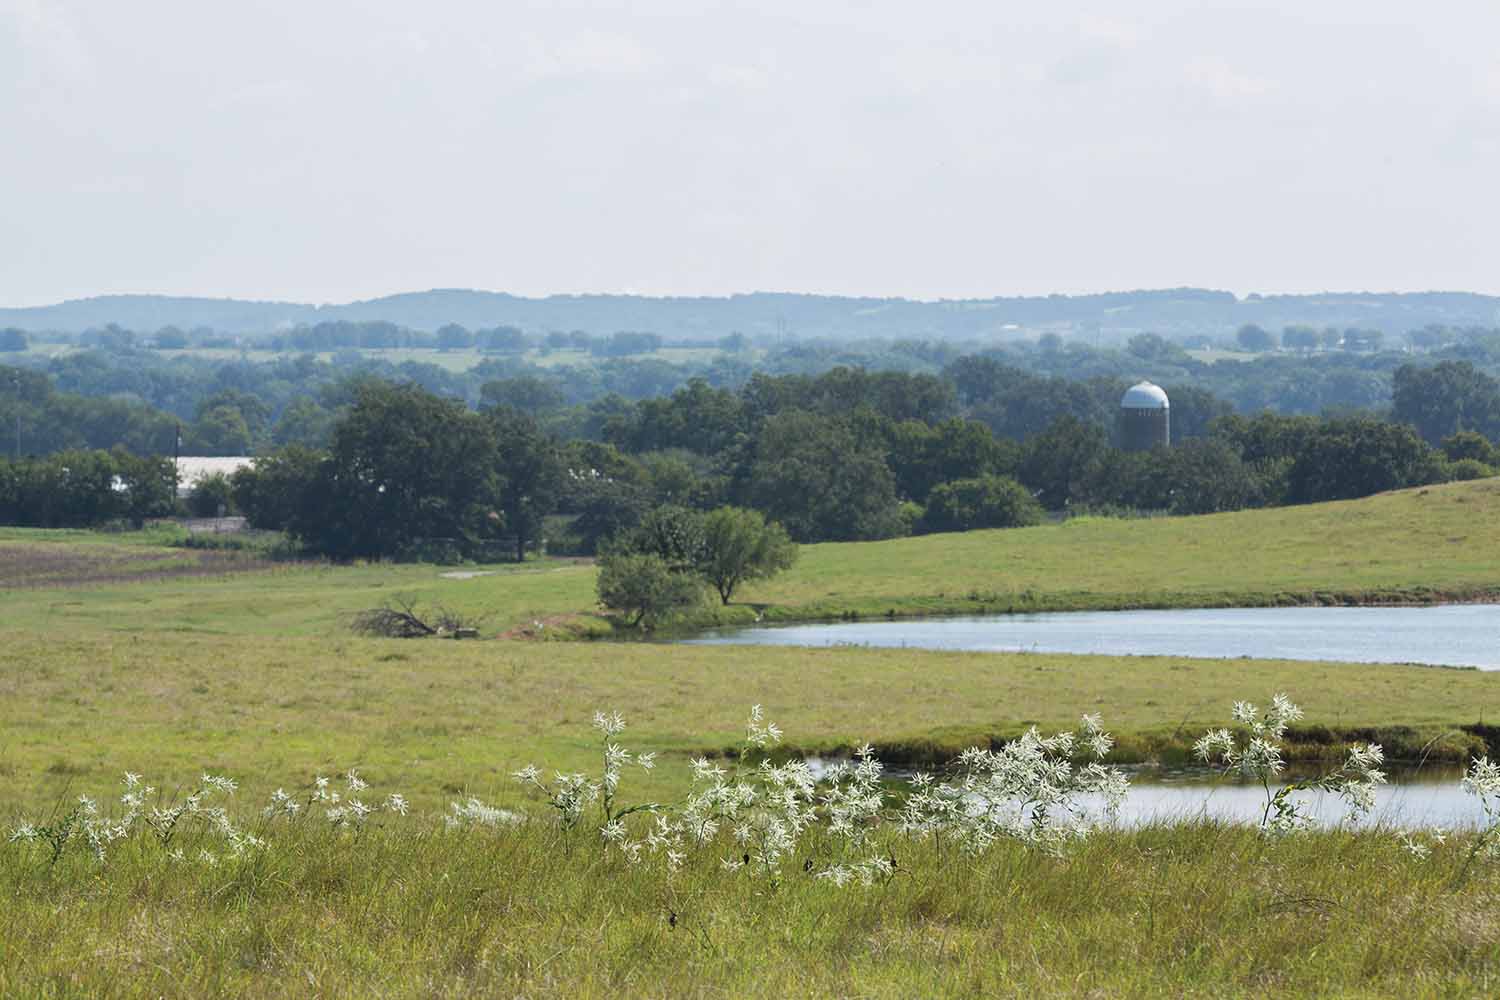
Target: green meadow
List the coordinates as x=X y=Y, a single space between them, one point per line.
x=435 y=718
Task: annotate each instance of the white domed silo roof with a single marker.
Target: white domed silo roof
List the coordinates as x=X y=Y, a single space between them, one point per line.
x=1145 y=396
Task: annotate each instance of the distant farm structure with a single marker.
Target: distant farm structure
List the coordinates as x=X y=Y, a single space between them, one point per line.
x=191 y=469
x=1145 y=418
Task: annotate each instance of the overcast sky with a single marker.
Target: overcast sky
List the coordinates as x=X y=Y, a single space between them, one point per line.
x=327 y=151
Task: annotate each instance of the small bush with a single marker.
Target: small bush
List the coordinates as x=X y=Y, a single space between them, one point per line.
x=1469 y=468
x=644 y=589
x=211 y=496
x=402 y=619
x=986 y=502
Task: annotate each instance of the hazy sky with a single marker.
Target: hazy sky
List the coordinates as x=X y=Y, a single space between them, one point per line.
x=326 y=151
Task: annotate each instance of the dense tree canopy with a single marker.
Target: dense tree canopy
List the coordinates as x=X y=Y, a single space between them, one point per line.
x=835 y=440
x=815 y=476
x=407 y=472
x=1449 y=397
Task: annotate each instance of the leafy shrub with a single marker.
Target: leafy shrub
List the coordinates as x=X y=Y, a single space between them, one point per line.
x=211 y=496
x=644 y=589
x=1469 y=468
x=986 y=502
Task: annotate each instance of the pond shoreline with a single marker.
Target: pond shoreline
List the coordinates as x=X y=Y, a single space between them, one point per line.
x=1170 y=750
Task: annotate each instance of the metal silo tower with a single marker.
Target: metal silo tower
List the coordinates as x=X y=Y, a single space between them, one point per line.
x=1145 y=418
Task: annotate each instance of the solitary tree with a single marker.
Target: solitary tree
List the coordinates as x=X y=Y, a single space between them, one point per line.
x=406 y=469
x=739 y=545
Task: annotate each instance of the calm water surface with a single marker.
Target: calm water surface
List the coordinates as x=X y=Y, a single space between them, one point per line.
x=1460 y=635
x=1427 y=797
x=1430 y=798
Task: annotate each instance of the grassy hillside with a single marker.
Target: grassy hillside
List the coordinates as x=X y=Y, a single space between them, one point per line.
x=1425 y=544
x=1416 y=544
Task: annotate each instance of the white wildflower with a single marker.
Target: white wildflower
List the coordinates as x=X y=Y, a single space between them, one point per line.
x=473 y=812
x=610 y=724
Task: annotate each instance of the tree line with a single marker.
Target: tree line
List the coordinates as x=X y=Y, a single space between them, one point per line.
x=82 y=489
x=845 y=455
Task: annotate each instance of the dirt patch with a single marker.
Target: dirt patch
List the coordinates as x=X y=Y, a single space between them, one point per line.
x=543 y=628
x=28 y=566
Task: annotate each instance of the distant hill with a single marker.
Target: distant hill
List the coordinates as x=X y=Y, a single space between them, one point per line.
x=1179 y=311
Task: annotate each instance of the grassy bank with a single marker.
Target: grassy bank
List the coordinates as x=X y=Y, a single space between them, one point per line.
x=450 y=717
x=408 y=910
x=1414 y=546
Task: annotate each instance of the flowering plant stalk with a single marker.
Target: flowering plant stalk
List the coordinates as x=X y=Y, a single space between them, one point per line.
x=1028 y=791
x=1482 y=780
x=571 y=794
x=1258 y=755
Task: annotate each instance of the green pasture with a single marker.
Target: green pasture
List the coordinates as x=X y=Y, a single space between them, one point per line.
x=433 y=718
x=1416 y=545
x=251 y=666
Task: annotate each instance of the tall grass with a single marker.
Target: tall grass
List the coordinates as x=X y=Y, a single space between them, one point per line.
x=325 y=892
x=397 y=910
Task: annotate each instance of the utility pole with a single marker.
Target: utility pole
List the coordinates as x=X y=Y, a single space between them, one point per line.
x=16 y=379
x=176 y=455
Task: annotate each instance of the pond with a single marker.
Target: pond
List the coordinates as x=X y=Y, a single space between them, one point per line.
x=1431 y=798
x=1428 y=797
x=1460 y=635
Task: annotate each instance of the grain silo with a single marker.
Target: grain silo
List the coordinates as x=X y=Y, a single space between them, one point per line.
x=1145 y=418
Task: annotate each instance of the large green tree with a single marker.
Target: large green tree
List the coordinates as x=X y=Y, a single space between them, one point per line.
x=1357 y=457
x=407 y=471
x=531 y=466
x=272 y=490
x=1446 y=398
